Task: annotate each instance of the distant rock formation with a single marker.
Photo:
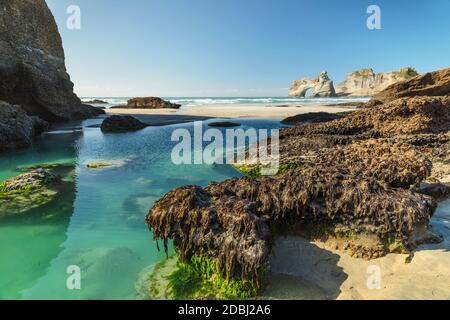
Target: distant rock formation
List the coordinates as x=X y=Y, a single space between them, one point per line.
x=322 y=87
x=32 y=69
x=95 y=101
x=151 y=103
x=429 y=84
x=366 y=82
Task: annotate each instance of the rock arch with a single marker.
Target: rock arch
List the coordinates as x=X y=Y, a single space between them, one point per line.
x=322 y=86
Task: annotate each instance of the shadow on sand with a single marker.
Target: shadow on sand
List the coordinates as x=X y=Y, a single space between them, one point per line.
x=302 y=270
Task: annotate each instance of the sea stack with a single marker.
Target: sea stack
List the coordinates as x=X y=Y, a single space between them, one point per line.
x=32 y=65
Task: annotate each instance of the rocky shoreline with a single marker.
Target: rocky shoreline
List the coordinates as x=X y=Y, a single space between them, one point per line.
x=358 y=181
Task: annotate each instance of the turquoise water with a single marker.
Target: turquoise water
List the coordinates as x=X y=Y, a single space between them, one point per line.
x=98 y=224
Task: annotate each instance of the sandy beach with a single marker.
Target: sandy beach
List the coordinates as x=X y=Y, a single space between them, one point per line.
x=235 y=111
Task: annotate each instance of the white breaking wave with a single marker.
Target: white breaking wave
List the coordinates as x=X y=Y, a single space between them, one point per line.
x=195 y=101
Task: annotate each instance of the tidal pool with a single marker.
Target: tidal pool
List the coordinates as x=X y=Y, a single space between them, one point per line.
x=97 y=224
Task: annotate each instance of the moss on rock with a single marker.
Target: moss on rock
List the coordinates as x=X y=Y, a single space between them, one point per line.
x=32 y=189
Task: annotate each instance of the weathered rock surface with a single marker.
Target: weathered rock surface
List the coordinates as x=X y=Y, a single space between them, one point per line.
x=32 y=68
x=429 y=84
x=366 y=82
x=322 y=87
x=119 y=123
x=17 y=129
x=151 y=103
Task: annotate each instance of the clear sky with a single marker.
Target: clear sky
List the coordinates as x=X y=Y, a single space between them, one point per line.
x=243 y=47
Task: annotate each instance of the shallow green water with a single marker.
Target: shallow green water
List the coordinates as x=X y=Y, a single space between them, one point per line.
x=98 y=224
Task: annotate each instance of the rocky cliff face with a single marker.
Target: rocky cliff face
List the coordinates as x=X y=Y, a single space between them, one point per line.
x=32 y=69
x=34 y=85
x=322 y=86
x=366 y=82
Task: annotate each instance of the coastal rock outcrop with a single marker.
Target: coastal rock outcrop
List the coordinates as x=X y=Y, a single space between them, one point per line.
x=17 y=129
x=351 y=179
x=151 y=103
x=32 y=68
x=429 y=84
x=322 y=87
x=366 y=82
x=118 y=123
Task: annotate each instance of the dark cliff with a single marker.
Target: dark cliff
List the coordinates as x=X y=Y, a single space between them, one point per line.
x=32 y=69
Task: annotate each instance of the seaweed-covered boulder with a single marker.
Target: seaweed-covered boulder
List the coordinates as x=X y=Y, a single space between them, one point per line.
x=119 y=123
x=401 y=116
x=230 y=221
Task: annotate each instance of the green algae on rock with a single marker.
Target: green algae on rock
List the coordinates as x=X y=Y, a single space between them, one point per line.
x=197 y=279
x=98 y=165
x=32 y=189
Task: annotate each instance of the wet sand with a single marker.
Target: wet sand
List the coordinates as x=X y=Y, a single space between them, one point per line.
x=332 y=274
x=232 y=111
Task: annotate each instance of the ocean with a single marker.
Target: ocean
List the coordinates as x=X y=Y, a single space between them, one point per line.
x=263 y=101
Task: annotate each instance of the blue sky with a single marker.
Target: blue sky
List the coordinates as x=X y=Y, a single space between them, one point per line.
x=242 y=47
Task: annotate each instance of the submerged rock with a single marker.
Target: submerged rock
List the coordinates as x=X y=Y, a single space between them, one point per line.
x=224 y=124
x=118 y=123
